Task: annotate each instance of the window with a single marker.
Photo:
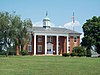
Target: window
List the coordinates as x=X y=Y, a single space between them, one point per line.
x=49 y=39
x=29 y=48
x=39 y=38
x=69 y=39
x=74 y=39
x=68 y=48
x=39 y=48
x=78 y=36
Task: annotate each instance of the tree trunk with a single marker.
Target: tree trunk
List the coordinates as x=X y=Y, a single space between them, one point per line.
x=17 y=50
x=25 y=46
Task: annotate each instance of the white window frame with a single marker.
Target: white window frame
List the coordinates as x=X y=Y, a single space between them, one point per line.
x=29 y=48
x=39 y=48
x=39 y=38
x=50 y=39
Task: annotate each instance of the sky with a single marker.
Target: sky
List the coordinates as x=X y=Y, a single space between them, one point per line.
x=59 y=11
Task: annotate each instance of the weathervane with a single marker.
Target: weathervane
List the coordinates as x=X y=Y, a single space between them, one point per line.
x=73 y=21
x=73 y=18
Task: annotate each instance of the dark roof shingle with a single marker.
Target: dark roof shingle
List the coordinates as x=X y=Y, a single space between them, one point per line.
x=51 y=30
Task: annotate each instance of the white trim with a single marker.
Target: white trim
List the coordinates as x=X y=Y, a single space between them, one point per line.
x=39 y=48
x=34 y=44
x=29 y=48
x=57 y=44
x=45 y=44
x=52 y=34
x=39 y=38
x=49 y=39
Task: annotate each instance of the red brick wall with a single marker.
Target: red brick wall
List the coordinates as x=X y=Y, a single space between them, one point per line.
x=73 y=44
x=62 y=44
x=78 y=41
x=65 y=44
x=40 y=43
x=43 y=44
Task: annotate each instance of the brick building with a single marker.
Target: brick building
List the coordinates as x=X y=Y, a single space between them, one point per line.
x=49 y=40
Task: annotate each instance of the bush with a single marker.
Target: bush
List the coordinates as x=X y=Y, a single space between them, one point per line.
x=73 y=54
x=12 y=52
x=79 y=51
x=65 y=54
x=24 y=52
x=4 y=53
x=79 y=55
x=88 y=55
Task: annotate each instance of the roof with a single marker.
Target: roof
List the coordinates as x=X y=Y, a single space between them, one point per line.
x=52 y=30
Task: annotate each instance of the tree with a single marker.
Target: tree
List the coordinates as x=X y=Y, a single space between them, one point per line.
x=21 y=35
x=13 y=31
x=91 y=31
x=5 y=36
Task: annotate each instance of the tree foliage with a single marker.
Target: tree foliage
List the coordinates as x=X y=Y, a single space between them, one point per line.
x=13 y=30
x=91 y=31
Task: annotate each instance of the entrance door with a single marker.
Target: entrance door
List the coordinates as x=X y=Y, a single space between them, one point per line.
x=49 y=48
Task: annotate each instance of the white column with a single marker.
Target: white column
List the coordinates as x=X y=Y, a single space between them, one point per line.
x=34 y=44
x=67 y=44
x=57 y=44
x=45 y=44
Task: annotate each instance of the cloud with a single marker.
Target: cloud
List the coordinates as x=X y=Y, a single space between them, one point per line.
x=61 y=26
x=70 y=25
x=40 y=24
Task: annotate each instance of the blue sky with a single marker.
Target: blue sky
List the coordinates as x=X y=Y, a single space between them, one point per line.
x=59 y=11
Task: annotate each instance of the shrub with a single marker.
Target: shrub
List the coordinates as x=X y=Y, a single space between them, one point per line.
x=24 y=52
x=73 y=54
x=88 y=55
x=79 y=55
x=65 y=54
x=80 y=51
x=4 y=53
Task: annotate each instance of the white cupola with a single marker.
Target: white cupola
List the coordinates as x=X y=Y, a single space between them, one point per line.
x=46 y=22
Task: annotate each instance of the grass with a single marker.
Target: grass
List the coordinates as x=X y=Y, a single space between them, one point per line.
x=49 y=65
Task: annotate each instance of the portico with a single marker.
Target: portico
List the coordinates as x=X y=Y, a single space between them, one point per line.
x=50 y=42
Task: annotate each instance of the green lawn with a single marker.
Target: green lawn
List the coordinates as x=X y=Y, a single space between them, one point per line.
x=49 y=65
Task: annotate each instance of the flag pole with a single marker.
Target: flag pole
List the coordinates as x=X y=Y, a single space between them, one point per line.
x=73 y=21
